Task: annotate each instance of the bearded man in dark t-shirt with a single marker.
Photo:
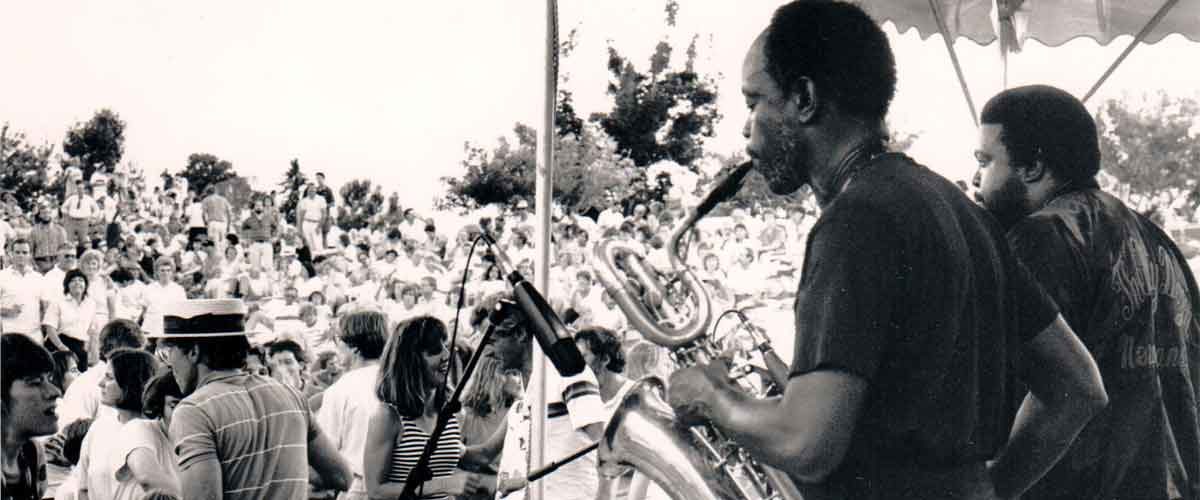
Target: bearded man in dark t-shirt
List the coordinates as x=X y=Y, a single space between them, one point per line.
x=1120 y=282
x=911 y=309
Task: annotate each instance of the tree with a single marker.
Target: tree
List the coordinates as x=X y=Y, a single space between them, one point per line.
x=24 y=167
x=204 y=169
x=361 y=203
x=1152 y=153
x=293 y=183
x=663 y=113
x=97 y=144
x=237 y=190
x=589 y=172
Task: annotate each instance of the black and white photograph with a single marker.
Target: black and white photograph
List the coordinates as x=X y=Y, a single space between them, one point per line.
x=600 y=250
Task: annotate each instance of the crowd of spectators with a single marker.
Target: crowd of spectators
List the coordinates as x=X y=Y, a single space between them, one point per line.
x=93 y=275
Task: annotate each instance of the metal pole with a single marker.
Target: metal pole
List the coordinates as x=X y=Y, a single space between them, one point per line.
x=962 y=81
x=1162 y=12
x=544 y=190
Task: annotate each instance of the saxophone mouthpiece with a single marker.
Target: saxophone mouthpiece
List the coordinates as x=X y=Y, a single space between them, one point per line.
x=725 y=189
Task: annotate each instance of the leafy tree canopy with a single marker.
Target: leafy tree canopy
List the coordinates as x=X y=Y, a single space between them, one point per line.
x=97 y=144
x=204 y=169
x=1152 y=153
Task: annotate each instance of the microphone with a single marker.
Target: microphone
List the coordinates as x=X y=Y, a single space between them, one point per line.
x=551 y=334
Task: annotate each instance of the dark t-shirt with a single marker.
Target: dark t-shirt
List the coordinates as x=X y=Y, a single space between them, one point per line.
x=1128 y=293
x=911 y=286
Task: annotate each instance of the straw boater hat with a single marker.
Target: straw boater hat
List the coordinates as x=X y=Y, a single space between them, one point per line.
x=203 y=319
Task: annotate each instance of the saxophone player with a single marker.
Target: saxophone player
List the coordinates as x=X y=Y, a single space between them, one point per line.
x=911 y=313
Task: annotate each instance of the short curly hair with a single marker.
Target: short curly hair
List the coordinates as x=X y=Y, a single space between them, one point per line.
x=840 y=48
x=604 y=343
x=1047 y=124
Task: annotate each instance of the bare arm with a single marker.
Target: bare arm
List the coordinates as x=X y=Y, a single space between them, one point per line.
x=148 y=473
x=203 y=479
x=805 y=433
x=382 y=434
x=328 y=463
x=483 y=453
x=1065 y=392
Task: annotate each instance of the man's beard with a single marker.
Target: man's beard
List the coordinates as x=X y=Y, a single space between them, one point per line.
x=1008 y=203
x=786 y=164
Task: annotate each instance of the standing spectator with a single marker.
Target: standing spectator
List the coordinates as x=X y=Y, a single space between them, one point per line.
x=602 y=351
x=260 y=230
x=82 y=399
x=20 y=307
x=70 y=321
x=486 y=404
x=348 y=404
x=193 y=210
x=149 y=437
x=79 y=210
x=310 y=216
x=108 y=467
x=238 y=436
x=409 y=385
x=218 y=215
x=106 y=203
x=330 y=204
x=47 y=236
x=575 y=414
x=28 y=399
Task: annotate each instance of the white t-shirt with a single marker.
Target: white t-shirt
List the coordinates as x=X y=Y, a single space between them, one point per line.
x=139 y=433
x=82 y=398
x=24 y=289
x=345 y=414
x=96 y=455
x=577 y=480
x=157 y=298
x=129 y=302
x=195 y=215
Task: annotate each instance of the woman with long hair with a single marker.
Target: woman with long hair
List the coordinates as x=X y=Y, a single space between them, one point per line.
x=142 y=458
x=486 y=403
x=411 y=389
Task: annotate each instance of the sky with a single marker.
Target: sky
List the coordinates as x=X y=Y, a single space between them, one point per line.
x=391 y=91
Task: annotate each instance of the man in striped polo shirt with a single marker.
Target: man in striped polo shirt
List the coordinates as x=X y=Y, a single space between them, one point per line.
x=238 y=436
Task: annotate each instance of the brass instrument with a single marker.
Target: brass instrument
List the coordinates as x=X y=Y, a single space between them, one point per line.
x=692 y=463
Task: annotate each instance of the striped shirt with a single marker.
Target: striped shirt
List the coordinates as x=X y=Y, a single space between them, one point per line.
x=410 y=443
x=257 y=428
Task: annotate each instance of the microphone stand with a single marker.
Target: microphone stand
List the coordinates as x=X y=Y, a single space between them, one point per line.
x=553 y=466
x=421 y=473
